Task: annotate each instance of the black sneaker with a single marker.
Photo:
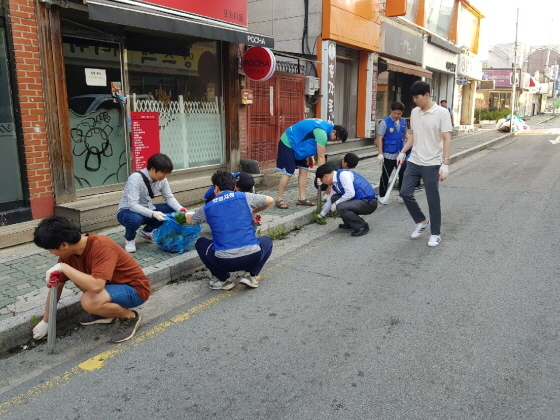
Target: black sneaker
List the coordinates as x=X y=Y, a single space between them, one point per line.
x=90 y=319
x=127 y=329
x=344 y=226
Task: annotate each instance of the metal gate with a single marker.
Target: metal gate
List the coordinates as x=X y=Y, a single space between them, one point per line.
x=278 y=103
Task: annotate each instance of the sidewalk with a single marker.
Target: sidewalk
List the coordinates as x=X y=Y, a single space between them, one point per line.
x=22 y=268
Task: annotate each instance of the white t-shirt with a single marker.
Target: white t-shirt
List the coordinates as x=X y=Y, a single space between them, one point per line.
x=427 y=128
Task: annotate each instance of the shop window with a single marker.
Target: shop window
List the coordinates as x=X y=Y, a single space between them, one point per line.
x=182 y=82
x=439 y=13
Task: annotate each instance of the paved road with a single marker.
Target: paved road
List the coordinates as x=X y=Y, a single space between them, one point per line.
x=376 y=327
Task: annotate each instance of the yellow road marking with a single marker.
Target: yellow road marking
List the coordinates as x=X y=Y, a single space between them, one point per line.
x=97 y=362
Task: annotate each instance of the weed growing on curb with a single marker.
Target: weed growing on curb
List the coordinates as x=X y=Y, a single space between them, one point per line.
x=275 y=233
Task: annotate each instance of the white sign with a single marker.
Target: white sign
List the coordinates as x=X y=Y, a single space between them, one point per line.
x=96 y=77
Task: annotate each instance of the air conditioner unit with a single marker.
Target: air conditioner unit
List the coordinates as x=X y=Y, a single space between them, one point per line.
x=311 y=85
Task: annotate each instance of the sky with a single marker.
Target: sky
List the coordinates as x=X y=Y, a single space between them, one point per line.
x=539 y=22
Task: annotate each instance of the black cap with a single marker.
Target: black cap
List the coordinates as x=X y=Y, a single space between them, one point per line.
x=244 y=182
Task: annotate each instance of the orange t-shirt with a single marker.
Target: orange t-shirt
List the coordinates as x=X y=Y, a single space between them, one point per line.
x=104 y=259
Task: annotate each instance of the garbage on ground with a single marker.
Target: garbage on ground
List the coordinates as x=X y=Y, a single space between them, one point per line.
x=503 y=125
x=175 y=235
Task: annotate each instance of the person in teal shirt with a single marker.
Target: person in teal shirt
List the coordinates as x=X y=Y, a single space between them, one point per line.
x=299 y=142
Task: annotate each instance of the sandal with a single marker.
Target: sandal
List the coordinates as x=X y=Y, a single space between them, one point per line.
x=305 y=202
x=281 y=204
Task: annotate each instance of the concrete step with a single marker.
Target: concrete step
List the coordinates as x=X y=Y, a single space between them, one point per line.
x=338 y=147
x=18 y=233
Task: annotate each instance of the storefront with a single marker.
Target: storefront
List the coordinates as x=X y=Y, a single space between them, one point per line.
x=469 y=74
x=183 y=70
x=400 y=59
x=440 y=57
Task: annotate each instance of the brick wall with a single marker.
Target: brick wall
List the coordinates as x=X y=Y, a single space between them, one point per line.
x=29 y=84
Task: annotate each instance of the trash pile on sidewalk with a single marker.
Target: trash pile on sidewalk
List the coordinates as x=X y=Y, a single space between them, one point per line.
x=504 y=124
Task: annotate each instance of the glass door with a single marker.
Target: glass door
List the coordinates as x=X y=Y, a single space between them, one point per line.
x=99 y=146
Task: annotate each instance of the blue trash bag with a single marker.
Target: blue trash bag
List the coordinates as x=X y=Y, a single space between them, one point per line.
x=172 y=237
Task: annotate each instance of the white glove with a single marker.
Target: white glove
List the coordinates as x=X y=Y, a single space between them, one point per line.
x=380 y=158
x=56 y=267
x=443 y=172
x=40 y=330
x=333 y=207
x=319 y=182
x=401 y=158
x=158 y=215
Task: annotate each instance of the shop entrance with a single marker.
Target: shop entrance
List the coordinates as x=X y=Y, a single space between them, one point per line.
x=98 y=135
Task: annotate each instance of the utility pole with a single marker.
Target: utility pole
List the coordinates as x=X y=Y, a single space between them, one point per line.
x=514 y=74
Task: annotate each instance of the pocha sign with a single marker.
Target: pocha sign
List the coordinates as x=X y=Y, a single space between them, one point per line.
x=259 y=63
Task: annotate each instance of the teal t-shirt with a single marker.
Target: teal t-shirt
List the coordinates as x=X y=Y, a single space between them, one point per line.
x=319 y=134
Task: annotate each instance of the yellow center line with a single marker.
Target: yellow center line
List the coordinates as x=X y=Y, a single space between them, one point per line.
x=97 y=362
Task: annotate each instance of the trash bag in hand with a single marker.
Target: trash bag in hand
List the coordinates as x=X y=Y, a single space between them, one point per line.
x=175 y=235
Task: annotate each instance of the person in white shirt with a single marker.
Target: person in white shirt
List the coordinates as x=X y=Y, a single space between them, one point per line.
x=352 y=196
x=430 y=135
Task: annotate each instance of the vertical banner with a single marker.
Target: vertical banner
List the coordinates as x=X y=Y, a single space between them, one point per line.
x=145 y=137
x=374 y=72
x=328 y=79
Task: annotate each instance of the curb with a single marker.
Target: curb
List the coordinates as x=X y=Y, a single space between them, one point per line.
x=16 y=331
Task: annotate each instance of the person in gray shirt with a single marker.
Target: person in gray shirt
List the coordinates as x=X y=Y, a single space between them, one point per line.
x=136 y=207
x=234 y=245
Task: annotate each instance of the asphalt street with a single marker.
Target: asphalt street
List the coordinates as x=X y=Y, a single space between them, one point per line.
x=375 y=327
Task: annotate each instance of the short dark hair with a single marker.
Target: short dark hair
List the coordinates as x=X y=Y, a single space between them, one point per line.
x=442 y=101
x=341 y=133
x=223 y=180
x=323 y=170
x=244 y=182
x=161 y=163
x=419 y=88
x=54 y=230
x=351 y=160
x=397 y=106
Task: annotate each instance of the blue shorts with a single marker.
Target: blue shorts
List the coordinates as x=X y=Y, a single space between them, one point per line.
x=124 y=295
x=286 y=161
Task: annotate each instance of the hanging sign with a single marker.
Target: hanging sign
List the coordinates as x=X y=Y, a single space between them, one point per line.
x=145 y=137
x=259 y=63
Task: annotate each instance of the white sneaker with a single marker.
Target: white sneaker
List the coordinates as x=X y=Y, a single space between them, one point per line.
x=420 y=228
x=130 y=246
x=434 y=240
x=249 y=280
x=147 y=235
x=216 y=284
x=400 y=199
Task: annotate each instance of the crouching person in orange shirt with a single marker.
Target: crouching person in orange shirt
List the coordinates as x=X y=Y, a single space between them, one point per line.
x=111 y=280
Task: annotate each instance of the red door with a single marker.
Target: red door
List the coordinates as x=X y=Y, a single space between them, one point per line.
x=277 y=104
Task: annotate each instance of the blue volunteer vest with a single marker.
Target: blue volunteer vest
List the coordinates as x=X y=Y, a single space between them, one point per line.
x=231 y=221
x=393 y=138
x=362 y=187
x=301 y=136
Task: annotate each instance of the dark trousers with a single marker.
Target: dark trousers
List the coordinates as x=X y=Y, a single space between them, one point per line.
x=388 y=166
x=351 y=210
x=221 y=267
x=430 y=176
x=132 y=220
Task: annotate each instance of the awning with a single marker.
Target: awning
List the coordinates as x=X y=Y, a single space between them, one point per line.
x=399 y=66
x=141 y=17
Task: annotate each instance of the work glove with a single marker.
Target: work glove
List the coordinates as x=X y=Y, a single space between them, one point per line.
x=380 y=158
x=443 y=172
x=333 y=207
x=40 y=330
x=183 y=210
x=401 y=158
x=158 y=215
x=56 y=267
x=319 y=182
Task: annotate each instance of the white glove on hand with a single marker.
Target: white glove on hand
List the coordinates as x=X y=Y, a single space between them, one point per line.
x=401 y=158
x=319 y=182
x=40 y=330
x=380 y=158
x=56 y=267
x=159 y=215
x=443 y=172
x=333 y=207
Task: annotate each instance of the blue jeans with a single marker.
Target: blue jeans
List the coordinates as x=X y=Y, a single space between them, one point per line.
x=221 y=267
x=132 y=220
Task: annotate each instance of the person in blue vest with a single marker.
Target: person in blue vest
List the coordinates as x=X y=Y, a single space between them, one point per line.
x=352 y=196
x=391 y=133
x=299 y=142
x=234 y=245
x=244 y=182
